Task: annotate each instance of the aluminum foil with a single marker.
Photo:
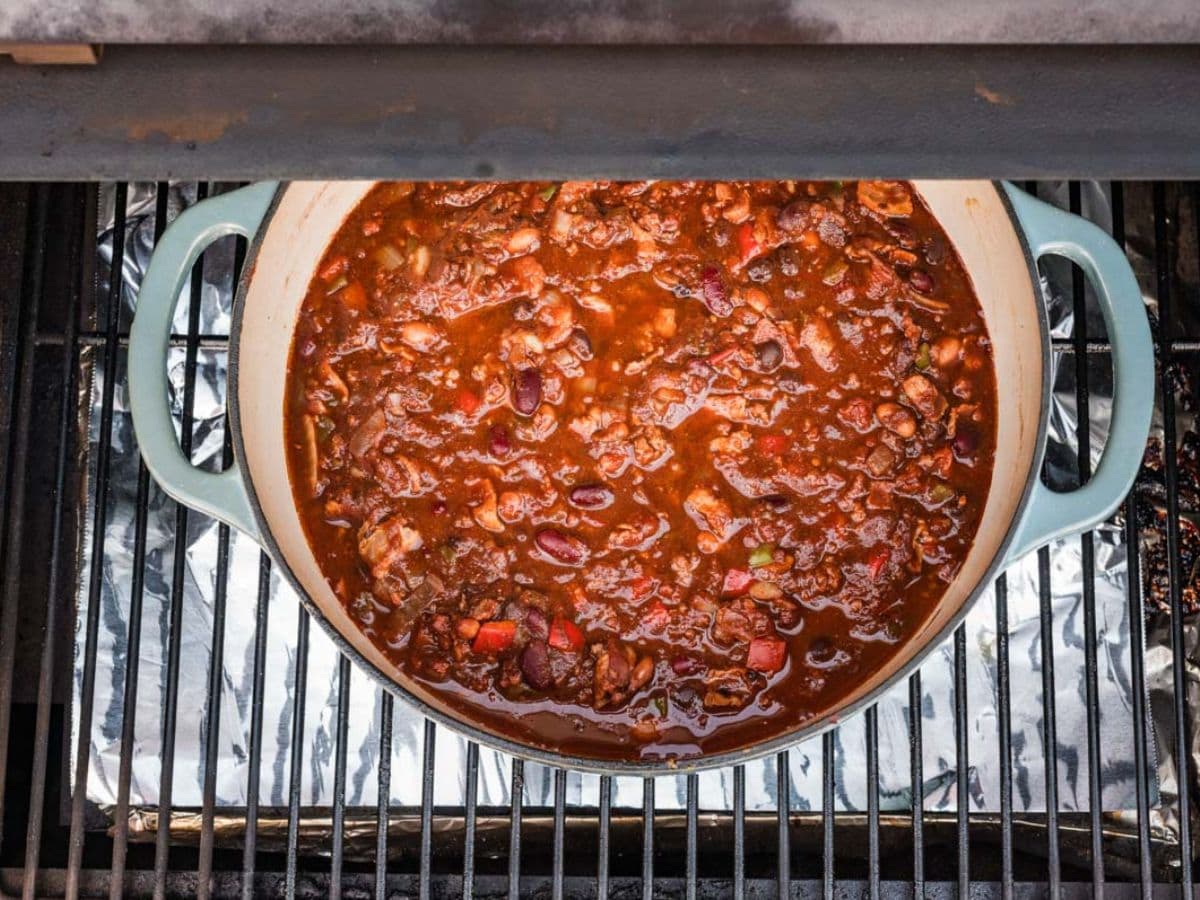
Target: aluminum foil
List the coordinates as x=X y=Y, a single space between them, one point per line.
x=200 y=547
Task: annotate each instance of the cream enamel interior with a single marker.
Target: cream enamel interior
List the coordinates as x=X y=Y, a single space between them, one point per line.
x=309 y=213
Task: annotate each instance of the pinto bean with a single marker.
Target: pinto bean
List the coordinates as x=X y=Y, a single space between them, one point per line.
x=924 y=396
x=642 y=673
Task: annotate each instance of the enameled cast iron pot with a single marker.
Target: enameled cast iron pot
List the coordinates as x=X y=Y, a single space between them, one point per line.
x=998 y=231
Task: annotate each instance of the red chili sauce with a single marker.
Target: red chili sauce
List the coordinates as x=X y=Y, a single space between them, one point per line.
x=640 y=470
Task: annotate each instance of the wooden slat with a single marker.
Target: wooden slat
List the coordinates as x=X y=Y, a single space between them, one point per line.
x=53 y=54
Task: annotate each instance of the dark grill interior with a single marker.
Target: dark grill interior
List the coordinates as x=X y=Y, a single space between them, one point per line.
x=56 y=322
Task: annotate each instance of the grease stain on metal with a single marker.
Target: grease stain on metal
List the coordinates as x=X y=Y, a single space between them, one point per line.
x=185 y=128
x=994 y=97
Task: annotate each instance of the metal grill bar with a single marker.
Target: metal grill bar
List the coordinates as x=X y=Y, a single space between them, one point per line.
x=427 y=762
x=471 y=790
x=605 y=826
x=827 y=791
x=1004 y=709
x=693 y=791
x=648 y=839
x=514 y=830
x=212 y=722
x=1174 y=553
x=961 y=761
x=783 y=793
x=1049 y=735
x=917 y=765
x=384 y=814
x=296 y=780
x=254 y=745
x=739 y=833
x=134 y=638
x=560 y=816
x=339 y=783
x=871 y=717
x=1137 y=632
x=1049 y=738
x=175 y=624
x=1083 y=433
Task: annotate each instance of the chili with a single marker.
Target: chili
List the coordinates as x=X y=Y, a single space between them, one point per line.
x=640 y=469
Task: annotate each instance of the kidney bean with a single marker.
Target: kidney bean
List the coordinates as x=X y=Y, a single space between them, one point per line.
x=536 y=623
x=591 y=496
x=683 y=665
x=921 y=281
x=535 y=665
x=965 y=442
x=769 y=354
x=498 y=442
x=580 y=344
x=563 y=548
x=712 y=291
x=527 y=391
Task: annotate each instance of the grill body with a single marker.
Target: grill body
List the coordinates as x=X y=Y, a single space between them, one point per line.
x=58 y=324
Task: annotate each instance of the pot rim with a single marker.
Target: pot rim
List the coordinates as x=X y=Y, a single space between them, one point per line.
x=642 y=768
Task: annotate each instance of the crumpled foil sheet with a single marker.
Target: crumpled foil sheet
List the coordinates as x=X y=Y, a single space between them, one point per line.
x=715 y=787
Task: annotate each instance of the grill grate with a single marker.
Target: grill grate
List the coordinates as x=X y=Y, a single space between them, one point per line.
x=54 y=319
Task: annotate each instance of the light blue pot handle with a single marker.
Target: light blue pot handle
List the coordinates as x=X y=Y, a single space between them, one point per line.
x=222 y=496
x=1048 y=514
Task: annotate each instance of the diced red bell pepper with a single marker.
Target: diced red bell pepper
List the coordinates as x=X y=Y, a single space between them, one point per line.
x=468 y=401
x=715 y=359
x=877 y=561
x=767 y=654
x=495 y=637
x=771 y=444
x=565 y=635
x=748 y=244
x=737 y=581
